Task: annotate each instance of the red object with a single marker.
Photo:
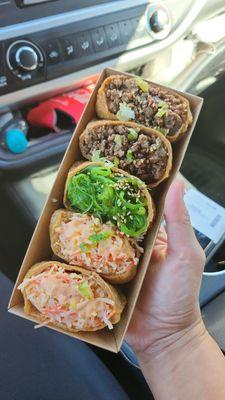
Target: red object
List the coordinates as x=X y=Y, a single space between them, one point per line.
x=49 y=114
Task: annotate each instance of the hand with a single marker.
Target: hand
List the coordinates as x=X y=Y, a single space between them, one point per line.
x=168 y=305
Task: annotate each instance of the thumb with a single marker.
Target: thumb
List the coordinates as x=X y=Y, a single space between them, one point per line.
x=180 y=234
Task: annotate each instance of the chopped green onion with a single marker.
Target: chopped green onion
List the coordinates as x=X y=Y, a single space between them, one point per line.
x=116 y=161
x=129 y=156
x=85 y=290
x=132 y=135
x=125 y=113
x=118 y=141
x=98 y=237
x=161 y=103
x=95 y=239
x=162 y=109
x=96 y=156
x=84 y=247
x=143 y=85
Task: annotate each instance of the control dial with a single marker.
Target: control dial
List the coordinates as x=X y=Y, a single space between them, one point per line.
x=158 y=22
x=24 y=58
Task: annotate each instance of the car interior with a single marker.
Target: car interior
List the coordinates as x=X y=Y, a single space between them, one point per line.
x=52 y=48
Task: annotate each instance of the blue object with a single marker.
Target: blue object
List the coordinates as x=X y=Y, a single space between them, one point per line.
x=16 y=141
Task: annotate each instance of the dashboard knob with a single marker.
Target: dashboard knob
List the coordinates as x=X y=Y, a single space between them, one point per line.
x=158 y=21
x=26 y=58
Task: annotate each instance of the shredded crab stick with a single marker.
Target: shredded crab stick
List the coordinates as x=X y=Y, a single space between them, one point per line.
x=69 y=298
x=81 y=239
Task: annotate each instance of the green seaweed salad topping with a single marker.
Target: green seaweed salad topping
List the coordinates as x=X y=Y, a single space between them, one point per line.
x=110 y=196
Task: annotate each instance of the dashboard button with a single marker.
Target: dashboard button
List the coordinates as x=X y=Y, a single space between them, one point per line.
x=99 y=39
x=52 y=52
x=68 y=48
x=113 y=35
x=84 y=44
x=126 y=31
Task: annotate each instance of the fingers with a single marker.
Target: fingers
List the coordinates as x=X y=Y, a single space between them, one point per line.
x=160 y=246
x=180 y=234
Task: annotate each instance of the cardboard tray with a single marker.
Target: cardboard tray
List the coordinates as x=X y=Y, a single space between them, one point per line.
x=40 y=250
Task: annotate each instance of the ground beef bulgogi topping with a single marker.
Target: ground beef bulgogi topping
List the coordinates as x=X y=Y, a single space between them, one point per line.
x=131 y=150
x=153 y=107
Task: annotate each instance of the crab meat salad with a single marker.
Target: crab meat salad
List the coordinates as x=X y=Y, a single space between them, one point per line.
x=110 y=194
x=81 y=239
x=70 y=298
x=141 y=151
x=127 y=98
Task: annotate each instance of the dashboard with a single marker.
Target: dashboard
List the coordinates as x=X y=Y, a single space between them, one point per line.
x=50 y=45
x=56 y=51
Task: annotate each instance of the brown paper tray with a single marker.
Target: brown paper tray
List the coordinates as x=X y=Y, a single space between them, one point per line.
x=40 y=250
